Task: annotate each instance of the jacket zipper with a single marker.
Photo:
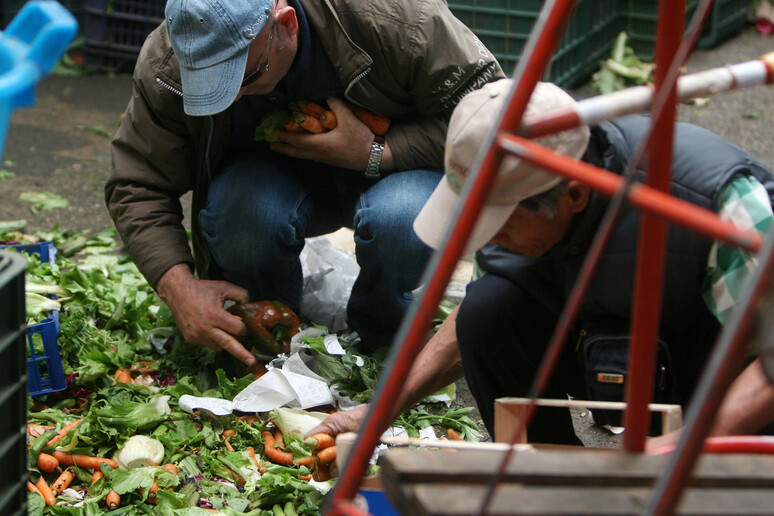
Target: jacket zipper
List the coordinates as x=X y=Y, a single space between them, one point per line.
x=354 y=81
x=170 y=88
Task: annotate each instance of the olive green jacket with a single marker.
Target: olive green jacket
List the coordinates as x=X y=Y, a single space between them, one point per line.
x=411 y=60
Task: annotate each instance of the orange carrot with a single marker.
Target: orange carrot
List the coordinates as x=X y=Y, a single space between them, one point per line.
x=279 y=439
x=96 y=476
x=123 y=376
x=249 y=419
x=171 y=468
x=454 y=435
x=31 y=487
x=328 y=120
x=311 y=108
x=152 y=496
x=34 y=430
x=310 y=123
x=63 y=481
x=63 y=432
x=227 y=433
x=113 y=500
x=378 y=124
x=228 y=445
x=251 y=454
x=45 y=491
x=294 y=127
x=306 y=461
x=306 y=477
x=84 y=461
x=47 y=463
x=275 y=455
x=320 y=441
x=327 y=455
x=322 y=474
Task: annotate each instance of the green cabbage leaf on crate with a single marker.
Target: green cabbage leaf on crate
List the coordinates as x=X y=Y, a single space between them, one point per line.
x=622 y=69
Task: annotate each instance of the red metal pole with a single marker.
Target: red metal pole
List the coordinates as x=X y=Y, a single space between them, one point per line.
x=411 y=336
x=646 y=198
x=646 y=310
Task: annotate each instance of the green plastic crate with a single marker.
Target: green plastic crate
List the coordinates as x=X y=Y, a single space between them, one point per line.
x=13 y=385
x=725 y=20
x=504 y=26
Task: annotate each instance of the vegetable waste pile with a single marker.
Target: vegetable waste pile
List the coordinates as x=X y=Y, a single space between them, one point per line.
x=117 y=441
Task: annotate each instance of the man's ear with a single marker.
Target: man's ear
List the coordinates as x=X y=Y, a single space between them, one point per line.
x=286 y=18
x=578 y=195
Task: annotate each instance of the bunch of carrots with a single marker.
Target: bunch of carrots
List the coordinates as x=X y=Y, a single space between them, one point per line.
x=310 y=117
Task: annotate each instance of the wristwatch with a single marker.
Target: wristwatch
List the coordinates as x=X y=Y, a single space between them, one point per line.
x=375 y=159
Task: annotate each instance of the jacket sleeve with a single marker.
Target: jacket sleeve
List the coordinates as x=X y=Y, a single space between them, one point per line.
x=447 y=61
x=153 y=163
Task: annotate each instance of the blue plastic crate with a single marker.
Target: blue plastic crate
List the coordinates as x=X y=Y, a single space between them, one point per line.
x=44 y=367
x=376 y=503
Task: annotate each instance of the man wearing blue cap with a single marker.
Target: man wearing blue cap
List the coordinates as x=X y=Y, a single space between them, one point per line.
x=204 y=80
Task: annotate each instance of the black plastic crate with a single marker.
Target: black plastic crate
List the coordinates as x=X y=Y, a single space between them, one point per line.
x=13 y=385
x=726 y=19
x=504 y=26
x=115 y=31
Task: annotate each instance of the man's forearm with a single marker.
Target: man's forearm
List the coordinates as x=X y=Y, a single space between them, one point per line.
x=438 y=365
x=748 y=405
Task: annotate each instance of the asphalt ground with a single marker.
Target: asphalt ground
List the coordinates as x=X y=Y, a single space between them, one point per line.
x=62 y=145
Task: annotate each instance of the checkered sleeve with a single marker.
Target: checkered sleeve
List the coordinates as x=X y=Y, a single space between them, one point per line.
x=745 y=203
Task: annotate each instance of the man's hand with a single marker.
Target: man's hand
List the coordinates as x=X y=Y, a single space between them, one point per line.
x=348 y=145
x=341 y=422
x=198 y=309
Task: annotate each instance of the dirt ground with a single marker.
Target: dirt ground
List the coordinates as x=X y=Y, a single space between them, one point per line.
x=62 y=145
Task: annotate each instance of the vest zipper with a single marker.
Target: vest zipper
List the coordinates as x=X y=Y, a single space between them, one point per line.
x=170 y=88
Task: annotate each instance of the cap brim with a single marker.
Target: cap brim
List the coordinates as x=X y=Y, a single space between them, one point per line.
x=207 y=91
x=434 y=219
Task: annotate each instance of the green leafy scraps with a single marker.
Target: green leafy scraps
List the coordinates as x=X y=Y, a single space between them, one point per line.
x=6 y=174
x=44 y=201
x=622 y=69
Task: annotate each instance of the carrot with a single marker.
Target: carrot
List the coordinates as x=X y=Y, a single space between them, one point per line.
x=279 y=439
x=34 y=430
x=31 y=487
x=251 y=454
x=96 y=476
x=228 y=445
x=311 y=108
x=454 y=435
x=171 y=468
x=320 y=441
x=63 y=432
x=275 y=455
x=322 y=474
x=63 y=481
x=306 y=461
x=310 y=123
x=328 y=120
x=84 y=461
x=123 y=376
x=293 y=126
x=227 y=433
x=113 y=500
x=306 y=477
x=47 y=463
x=249 y=419
x=152 y=496
x=378 y=124
x=45 y=491
x=327 y=455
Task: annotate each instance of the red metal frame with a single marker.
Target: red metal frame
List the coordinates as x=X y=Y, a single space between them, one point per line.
x=658 y=208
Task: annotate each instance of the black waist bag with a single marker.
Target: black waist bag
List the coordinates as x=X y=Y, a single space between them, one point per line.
x=604 y=355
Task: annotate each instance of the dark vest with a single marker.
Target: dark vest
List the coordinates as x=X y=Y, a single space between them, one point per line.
x=704 y=163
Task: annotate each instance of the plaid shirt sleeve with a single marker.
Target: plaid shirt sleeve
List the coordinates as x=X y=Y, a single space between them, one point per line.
x=745 y=203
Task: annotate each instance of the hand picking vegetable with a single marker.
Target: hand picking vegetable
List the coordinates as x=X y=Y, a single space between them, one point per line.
x=270 y=325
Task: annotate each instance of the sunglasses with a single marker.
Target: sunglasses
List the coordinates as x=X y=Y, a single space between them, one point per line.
x=263 y=63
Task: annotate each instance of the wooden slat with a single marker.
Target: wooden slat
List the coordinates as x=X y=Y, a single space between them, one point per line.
x=570 y=468
x=464 y=500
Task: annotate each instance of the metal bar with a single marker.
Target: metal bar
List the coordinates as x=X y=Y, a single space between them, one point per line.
x=639 y=99
x=650 y=200
x=648 y=287
x=410 y=338
x=725 y=362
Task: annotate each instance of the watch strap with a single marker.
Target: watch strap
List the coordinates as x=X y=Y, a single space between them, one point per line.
x=375 y=159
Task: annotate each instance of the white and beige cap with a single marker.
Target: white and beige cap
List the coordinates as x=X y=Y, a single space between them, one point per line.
x=517 y=180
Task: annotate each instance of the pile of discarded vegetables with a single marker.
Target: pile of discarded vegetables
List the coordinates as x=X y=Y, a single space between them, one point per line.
x=117 y=442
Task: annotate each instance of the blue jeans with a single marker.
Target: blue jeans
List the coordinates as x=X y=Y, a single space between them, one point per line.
x=261 y=207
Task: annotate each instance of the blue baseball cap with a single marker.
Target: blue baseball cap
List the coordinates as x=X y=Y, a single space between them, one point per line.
x=211 y=39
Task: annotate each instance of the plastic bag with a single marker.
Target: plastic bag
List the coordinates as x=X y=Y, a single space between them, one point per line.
x=328 y=278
